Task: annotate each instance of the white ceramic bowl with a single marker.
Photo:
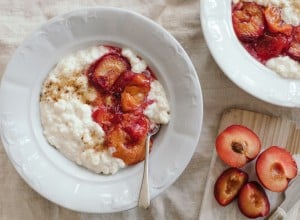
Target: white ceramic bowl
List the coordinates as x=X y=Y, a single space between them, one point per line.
x=43 y=167
x=238 y=64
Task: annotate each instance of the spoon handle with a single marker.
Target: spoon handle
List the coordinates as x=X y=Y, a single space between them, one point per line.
x=144 y=197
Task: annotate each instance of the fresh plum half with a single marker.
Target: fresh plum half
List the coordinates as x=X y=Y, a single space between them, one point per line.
x=275 y=167
x=253 y=201
x=237 y=145
x=229 y=184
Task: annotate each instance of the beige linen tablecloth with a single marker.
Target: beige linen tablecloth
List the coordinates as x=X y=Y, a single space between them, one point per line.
x=182 y=19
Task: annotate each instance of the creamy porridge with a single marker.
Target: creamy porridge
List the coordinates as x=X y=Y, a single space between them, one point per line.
x=97 y=106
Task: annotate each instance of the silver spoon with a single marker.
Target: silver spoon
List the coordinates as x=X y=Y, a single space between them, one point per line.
x=144 y=197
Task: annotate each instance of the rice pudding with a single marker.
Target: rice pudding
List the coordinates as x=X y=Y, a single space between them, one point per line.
x=270 y=32
x=97 y=106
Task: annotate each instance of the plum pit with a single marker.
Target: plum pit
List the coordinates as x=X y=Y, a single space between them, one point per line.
x=238 y=147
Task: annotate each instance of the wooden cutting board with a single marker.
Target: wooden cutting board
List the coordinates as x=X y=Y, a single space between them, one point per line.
x=272 y=131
